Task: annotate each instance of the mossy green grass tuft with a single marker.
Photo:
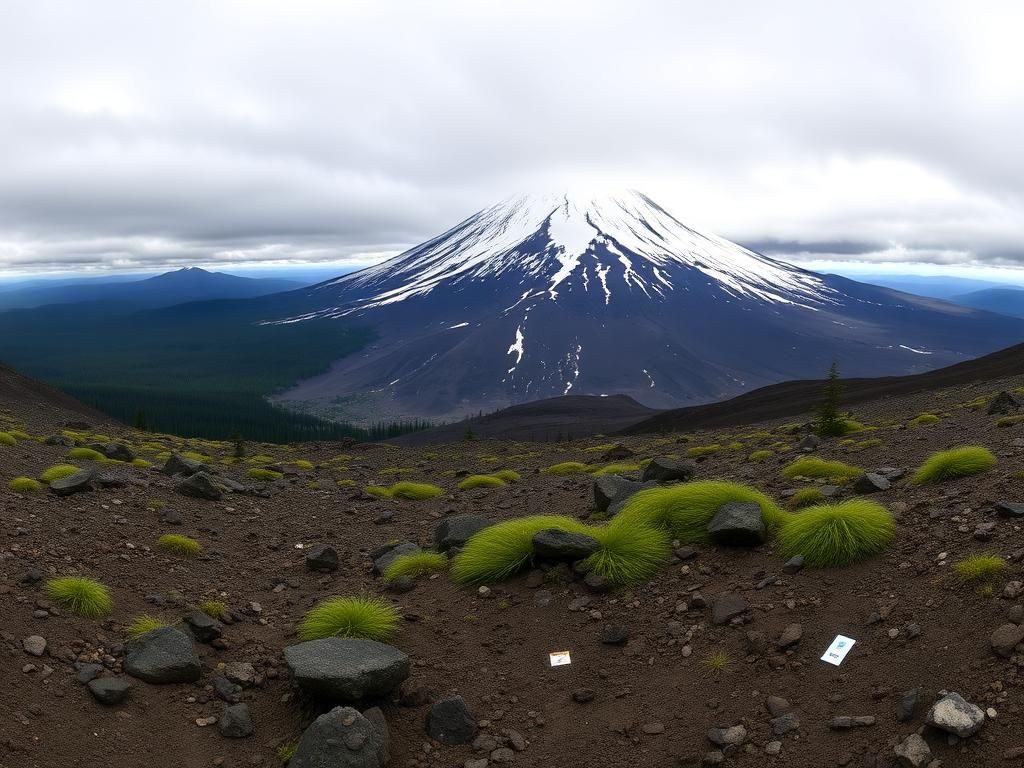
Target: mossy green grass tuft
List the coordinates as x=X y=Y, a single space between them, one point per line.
x=954 y=463
x=80 y=595
x=837 y=534
x=368 y=618
x=415 y=564
x=177 y=544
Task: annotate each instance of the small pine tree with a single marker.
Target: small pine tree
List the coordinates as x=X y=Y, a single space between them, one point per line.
x=239 y=445
x=140 y=421
x=830 y=423
x=470 y=435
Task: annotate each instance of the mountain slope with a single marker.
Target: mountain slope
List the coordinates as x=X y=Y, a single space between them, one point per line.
x=1005 y=301
x=550 y=295
x=177 y=287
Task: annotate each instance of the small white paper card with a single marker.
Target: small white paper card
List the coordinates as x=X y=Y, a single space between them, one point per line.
x=559 y=658
x=838 y=650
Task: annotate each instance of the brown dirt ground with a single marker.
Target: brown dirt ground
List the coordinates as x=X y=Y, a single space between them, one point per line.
x=494 y=651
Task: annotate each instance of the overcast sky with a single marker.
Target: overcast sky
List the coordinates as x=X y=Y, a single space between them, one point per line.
x=140 y=135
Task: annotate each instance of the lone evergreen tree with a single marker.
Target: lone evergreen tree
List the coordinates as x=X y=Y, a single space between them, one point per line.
x=830 y=423
x=239 y=445
x=140 y=421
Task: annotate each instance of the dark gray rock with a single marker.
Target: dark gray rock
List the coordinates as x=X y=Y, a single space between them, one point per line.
x=165 y=655
x=663 y=470
x=84 y=671
x=236 y=722
x=381 y=562
x=182 y=465
x=612 y=491
x=455 y=531
x=226 y=690
x=954 y=714
x=203 y=627
x=808 y=443
x=380 y=725
x=341 y=738
x=200 y=486
x=1006 y=638
x=322 y=557
x=63 y=440
x=907 y=706
x=985 y=531
x=170 y=517
x=726 y=607
x=784 y=723
x=557 y=545
x=790 y=636
x=617 y=453
x=727 y=737
x=739 y=524
x=76 y=483
x=1002 y=404
x=846 y=722
x=892 y=474
x=109 y=690
x=794 y=565
x=870 y=483
x=346 y=669
x=117 y=452
x=450 y=721
x=614 y=634
x=1009 y=509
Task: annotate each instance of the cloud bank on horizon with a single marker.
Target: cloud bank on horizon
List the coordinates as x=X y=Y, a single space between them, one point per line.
x=155 y=135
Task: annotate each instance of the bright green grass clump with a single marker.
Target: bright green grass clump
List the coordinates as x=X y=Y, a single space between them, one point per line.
x=405 y=490
x=213 y=608
x=1009 y=421
x=142 y=624
x=761 y=455
x=980 y=568
x=259 y=473
x=812 y=466
x=837 y=534
x=260 y=459
x=59 y=471
x=142 y=463
x=87 y=454
x=6 y=438
x=302 y=464
x=369 y=618
x=80 y=595
x=415 y=564
x=703 y=450
x=617 y=469
x=567 y=468
x=924 y=418
x=508 y=475
x=177 y=544
x=686 y=509
x=25 y=485
x=498 y=551
x=954 y=463
x=628 y=555
x=481 y=481
x=17 y=434
x=805 y=497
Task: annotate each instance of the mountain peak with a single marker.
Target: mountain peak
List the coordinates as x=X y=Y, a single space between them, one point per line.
x=605 y=243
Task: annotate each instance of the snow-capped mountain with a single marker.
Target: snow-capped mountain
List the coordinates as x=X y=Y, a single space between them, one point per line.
x=549 y=294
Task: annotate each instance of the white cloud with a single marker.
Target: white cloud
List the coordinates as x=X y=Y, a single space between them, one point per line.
x=160 y=134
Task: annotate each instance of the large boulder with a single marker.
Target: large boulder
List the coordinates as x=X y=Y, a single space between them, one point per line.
x=236 y=722
x=663 y=470
x=76 y=483
x=165 y=655
x=342 y=738
x=739 y=524
x=200 y=486
x=617 y=453
x=346 y=670
x=870 y=482
x=117 y=452
x=954 y=714
x=1006 y=638
x=182 y=465
x=558 y=545
x=455 y=531
x=322 y=557
x=612 y=491
x=109 y=690
x=451 y=721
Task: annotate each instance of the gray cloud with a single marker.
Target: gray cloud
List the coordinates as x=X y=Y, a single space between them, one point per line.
x=159 y=134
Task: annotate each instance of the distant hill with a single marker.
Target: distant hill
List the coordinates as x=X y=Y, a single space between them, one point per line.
x=933 y=286
x=177 y=287
x=1005 y=301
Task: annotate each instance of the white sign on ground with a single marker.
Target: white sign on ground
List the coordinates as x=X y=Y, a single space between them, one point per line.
x=559 y=658
x=838 y=650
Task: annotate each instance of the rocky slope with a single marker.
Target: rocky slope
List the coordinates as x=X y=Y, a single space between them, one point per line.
x=655 y=676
